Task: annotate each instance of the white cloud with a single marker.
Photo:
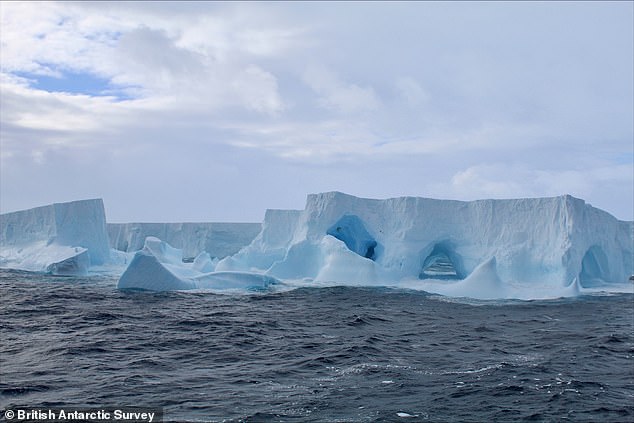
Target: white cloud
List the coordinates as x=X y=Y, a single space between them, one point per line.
x=328 y=141
x=258 y=90
x=39 y=110
x=384 y=98
x=490 y=181
x=149 y=58
x=337 y=95
x=411 y=91
x=150 y=55
x=516 y=180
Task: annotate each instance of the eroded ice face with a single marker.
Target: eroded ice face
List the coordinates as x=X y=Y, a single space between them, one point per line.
x=64 y=238
x=484 y=249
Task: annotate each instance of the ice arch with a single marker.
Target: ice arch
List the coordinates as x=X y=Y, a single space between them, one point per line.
x=594 y=267
x=351 y=230
x=442 y=263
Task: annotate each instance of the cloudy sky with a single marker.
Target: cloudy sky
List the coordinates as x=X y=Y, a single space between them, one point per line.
x=195 y=111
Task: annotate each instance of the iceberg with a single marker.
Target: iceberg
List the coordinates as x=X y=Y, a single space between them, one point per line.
x=483 y=248
x=160 y=267
x=515 y=248
x=61 y=238
x=218 y=239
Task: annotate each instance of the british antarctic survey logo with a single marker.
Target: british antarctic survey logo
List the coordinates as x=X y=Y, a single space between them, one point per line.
x=120 y=414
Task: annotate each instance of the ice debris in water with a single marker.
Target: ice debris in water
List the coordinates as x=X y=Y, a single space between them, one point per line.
x=406 y=415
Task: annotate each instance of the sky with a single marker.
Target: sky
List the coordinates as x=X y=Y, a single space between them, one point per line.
x=212 y=111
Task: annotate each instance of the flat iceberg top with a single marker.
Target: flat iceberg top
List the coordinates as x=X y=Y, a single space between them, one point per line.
x=554 y=241
x=47 y=233
x=523 y=248
x=492 y=248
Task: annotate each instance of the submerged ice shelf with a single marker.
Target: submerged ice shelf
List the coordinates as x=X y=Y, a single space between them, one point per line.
x=485 y=249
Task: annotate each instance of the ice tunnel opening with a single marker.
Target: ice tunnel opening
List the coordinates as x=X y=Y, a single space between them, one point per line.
x=594 y=267
x=351 y=230
x=369 y=254
x=441 y=263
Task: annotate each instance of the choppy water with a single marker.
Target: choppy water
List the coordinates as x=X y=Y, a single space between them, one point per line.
x=314 y=354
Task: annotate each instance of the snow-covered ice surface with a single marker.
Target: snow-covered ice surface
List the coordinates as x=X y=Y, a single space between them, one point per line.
x=61 y=238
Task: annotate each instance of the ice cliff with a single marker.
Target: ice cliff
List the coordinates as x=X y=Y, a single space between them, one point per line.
x=486 y=249
x=73 y=238
x=218 y=239
x=61 y=238
x=555 y=243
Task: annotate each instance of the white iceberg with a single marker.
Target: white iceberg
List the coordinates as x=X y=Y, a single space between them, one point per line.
x=61 y=238
x=524 y=248
x=484 y=249
x=218 y=239
x=160 y=267
x=73 y=239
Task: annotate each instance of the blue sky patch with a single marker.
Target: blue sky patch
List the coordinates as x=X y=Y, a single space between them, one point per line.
x=75 y=83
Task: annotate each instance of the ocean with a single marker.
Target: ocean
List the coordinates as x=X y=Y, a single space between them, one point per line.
x=338 y=354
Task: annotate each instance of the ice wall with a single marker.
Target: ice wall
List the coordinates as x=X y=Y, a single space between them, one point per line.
x=61 y=238
x=555 y=241
x=217 y=239
x=270 y=245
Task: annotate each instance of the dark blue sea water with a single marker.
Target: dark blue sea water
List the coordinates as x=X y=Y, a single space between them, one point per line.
x=314 y=355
